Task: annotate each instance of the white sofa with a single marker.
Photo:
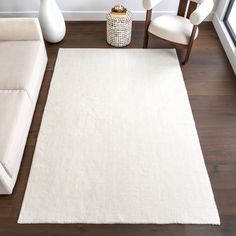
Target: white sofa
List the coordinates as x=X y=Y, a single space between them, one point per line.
x=23 y=60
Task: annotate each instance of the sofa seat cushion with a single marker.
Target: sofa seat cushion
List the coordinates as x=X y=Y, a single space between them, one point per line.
x=15 y=107
x=19 y=63
x=176 y=29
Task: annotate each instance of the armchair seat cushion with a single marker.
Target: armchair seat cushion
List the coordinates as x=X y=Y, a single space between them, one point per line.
x=176 y=29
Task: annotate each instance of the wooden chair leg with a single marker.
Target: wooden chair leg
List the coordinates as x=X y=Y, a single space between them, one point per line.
x=190 y=45
x=189 y=49
x=147 y=22
x=146 y=38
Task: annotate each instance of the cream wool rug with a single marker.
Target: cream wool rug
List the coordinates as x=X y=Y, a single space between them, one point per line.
x=118 y=144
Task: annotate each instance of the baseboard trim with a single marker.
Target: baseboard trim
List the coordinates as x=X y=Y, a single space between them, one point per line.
x=226 y=41
x=83 y=15
x=89 y=15
x=101 y=15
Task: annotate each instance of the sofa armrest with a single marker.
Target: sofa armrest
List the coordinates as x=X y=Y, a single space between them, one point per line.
x=20 y=29
x=5 y=181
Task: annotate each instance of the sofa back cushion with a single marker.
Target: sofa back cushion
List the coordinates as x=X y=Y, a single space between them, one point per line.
x=20 y=61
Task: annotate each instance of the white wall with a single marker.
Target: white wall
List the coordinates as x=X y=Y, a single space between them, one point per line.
x=84 y=9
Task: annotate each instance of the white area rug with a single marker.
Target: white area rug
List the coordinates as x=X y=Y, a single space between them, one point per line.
x=118 y=144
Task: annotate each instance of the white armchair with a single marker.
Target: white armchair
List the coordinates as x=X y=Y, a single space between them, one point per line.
x=182 y=28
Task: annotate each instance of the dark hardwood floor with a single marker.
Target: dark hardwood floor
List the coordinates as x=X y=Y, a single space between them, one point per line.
x=211 y=85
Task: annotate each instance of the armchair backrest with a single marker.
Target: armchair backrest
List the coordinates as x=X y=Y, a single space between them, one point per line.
x=195 y=10
x=186 y=8
x=149 y=4
x=203 y=9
